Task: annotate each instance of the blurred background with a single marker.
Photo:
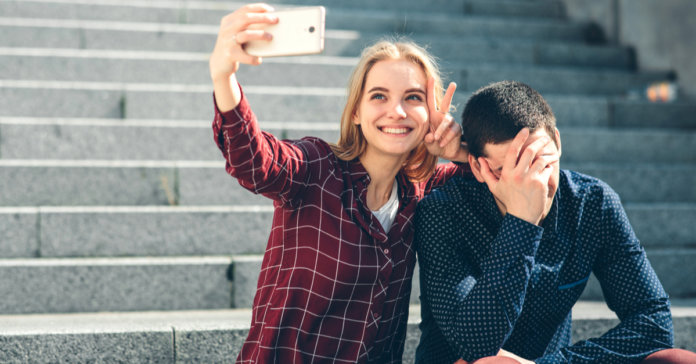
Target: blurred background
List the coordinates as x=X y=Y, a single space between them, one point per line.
x=122 y=239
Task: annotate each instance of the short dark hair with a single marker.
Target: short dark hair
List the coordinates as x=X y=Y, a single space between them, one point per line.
x=497 y=112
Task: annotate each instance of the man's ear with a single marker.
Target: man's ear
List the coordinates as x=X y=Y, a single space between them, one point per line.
x=558 y=140
x=475 y=168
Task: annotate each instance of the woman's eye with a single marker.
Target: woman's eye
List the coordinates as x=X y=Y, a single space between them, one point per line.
x=415 y=97
x=377 y=97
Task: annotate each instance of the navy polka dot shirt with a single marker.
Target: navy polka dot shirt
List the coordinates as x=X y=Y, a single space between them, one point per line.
x=490 y=281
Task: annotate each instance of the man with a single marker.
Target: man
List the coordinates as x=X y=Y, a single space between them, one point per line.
x=503 y=258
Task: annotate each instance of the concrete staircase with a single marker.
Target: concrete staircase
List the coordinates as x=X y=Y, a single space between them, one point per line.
x=123 y=240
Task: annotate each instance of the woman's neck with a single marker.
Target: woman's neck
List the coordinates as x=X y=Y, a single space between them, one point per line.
x=382 y=170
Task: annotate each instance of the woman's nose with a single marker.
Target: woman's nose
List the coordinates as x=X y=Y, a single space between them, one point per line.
x=397 y=111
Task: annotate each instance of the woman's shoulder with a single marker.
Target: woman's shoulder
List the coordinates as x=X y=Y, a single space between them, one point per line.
x=320 y=157
x=315 y=150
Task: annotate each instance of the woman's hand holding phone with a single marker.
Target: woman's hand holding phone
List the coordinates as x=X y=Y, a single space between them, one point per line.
x=236 y=30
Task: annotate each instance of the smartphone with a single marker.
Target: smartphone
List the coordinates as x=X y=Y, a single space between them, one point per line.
x=298 y=31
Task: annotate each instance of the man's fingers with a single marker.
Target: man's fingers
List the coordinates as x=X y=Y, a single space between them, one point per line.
x=514 y=150
x=545 y=176
x=487 y=174
x=530 y=153
x=544 y=161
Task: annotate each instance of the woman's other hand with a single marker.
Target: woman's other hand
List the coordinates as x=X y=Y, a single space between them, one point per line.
x=444 y=138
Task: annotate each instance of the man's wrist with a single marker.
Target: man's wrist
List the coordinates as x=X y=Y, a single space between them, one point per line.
x=526 y=216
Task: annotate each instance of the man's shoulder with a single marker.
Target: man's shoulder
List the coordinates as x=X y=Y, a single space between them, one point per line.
x=590 y=193
x=582 y=185
x=453 y=193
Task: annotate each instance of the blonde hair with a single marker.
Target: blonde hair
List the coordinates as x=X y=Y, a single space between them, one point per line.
x=420 y=164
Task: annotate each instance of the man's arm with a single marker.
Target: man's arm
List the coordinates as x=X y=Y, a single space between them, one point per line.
x=475 y=307
x=631 y=289
x=476 y=304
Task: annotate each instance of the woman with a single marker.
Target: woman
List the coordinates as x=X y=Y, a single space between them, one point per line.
x=336 y=275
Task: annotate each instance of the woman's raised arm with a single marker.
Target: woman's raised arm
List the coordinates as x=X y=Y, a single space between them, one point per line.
x=236 y=29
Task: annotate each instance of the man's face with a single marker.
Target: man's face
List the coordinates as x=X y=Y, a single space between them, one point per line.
x=494 y=154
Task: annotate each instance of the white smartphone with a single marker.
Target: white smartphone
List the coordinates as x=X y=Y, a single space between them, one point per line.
x=298 y=31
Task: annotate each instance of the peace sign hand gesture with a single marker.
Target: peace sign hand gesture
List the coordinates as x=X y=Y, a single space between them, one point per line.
x=444 y=138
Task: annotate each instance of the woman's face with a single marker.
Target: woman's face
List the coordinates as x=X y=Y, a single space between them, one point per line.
x=393 y=113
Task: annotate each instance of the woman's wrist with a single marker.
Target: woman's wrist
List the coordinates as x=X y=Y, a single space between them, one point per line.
x=227 y=93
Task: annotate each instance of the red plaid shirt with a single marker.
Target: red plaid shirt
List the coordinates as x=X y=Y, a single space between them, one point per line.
x=334 y=287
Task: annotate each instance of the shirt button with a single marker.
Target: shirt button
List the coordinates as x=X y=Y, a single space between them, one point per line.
x=386 y=251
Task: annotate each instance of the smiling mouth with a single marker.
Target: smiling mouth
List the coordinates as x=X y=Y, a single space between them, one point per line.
x=395 y=131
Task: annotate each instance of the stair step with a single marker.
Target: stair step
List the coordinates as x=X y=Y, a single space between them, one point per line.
x=240 y=228
x=150 y=37
x=374 y=20
x=132 y=139
x=182 y=11
x=65 y=35
x=644 y=182
x=217 y=335
x=49 y=285
x=674 y=268
x=160 y=101
x=533 y=8
x=671 y=266
x=133 y=337
x=98 y=182
x=113 y=231
x=95 y=67
x=74 y=139
x=557 y=80
x=194 y=102
x=90 y=183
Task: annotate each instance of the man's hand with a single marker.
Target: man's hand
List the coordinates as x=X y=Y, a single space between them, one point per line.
x=444 y=138
x=503 y=357
x=507 y=354
x=495 y=360
x=523 y=186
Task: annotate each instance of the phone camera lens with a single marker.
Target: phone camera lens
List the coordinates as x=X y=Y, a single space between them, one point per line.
x=311 y=29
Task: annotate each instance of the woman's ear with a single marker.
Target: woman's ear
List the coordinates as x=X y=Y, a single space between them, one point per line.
x=475 y=168
x=356 y=119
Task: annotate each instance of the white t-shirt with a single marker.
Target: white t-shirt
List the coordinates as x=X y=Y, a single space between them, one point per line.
x=387 y=212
